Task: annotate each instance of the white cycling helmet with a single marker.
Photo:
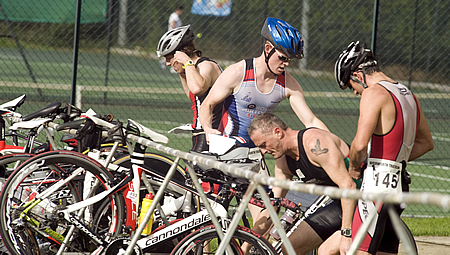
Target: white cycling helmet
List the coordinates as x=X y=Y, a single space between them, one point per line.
x=174 y=39
x=354 y=58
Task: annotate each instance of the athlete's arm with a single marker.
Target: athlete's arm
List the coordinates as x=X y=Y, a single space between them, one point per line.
x=262 y=223
x=281 y=172
x=222 y=88
x=324 y=150
x=297 y=100
x=423 y=142
x=369 y=114
x=198 y=79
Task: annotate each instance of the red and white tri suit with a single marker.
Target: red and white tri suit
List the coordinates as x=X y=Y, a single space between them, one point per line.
x=385 y=172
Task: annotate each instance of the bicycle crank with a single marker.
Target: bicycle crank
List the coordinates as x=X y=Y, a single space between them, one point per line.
x=120 y=245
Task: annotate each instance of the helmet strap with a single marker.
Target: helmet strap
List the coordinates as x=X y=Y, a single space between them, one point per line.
x=267 y=56
x=358 y=81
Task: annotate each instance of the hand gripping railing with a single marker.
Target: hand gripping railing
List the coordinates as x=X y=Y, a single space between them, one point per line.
x=257 y=180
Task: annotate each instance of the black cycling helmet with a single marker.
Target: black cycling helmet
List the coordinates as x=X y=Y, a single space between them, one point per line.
x=283 y=37
x=174 y=39
x=356 y=57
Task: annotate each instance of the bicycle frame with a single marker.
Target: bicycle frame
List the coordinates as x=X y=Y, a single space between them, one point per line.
x=176 y=229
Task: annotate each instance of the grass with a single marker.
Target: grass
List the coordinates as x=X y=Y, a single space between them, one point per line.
x=429 y=226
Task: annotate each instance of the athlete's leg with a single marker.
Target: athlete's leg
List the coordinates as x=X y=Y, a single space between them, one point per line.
x=261 y=224
x=331 y=245
x=304 y=239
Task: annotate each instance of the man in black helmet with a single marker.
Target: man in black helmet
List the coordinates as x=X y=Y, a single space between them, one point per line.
x=392 y=130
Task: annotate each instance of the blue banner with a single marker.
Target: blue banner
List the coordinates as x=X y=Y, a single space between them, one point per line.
x=211 y=7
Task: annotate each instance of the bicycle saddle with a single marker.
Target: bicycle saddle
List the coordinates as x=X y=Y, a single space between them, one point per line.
x=13 y=104
x=29 y=124
x=44 y=112
x=148 y=132
x=76 y=124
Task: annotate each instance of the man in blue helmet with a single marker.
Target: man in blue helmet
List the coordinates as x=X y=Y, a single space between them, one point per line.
x=257 y=85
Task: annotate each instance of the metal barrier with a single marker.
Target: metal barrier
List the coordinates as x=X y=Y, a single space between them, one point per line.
x=257 y=182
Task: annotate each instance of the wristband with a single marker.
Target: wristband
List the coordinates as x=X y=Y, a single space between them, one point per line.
x=188 y=63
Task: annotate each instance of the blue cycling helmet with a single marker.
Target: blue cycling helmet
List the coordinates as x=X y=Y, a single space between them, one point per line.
x=283 y=37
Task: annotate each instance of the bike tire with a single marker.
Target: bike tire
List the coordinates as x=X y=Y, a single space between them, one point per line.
x=44 y=224
x=205 y=241
x=155 y=163
x=410 y=236
x=11 y=161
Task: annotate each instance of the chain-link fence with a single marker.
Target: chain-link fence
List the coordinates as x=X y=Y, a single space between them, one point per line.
x=115 y=69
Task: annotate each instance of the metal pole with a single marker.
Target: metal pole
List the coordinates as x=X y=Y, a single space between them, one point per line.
x=432 y=42
x=376 y=4
x=413 y=43
x=108 y=47
x=158 y=196
x=305 y=36
x=122 y=30
x=76 y=43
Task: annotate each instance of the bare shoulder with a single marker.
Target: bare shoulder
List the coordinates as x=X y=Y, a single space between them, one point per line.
x=375 y=95
x=312 y=135
x=236 y=67
x=231 y=78
x=234 y=71
x=294 y=90
x=209 y=68
x=375 y=91
x=292 y=83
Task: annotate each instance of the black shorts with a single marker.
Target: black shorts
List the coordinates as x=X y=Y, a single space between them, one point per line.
x=326 y=220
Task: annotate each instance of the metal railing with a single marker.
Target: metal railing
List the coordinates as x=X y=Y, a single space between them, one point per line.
x=257 y=182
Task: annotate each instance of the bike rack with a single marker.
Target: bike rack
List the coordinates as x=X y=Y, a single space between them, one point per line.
x=257 y=182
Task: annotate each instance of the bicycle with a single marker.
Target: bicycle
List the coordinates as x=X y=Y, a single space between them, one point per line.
x=65 y=181
x=7 y=112
x=34 y=123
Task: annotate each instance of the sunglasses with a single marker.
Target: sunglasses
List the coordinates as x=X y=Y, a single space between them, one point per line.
x=283 y=58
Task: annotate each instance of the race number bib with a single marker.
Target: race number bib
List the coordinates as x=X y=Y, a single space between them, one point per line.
x=382 y=176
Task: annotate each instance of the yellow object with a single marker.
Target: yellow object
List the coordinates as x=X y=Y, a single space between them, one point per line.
x=146 y=202
x=188 y=63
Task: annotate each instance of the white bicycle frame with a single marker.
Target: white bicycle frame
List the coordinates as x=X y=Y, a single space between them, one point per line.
x=186 y=224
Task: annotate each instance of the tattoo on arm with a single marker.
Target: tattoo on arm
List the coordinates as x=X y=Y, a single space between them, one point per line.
x=317 y=150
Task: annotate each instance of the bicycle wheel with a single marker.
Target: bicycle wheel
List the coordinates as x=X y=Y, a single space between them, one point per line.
x=156 y=163
x=410 y=236
x=156 y=167
x=29 y=225
x=11 y=161
x=206 y=241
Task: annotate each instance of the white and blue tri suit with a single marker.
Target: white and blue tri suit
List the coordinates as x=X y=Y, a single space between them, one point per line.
x=241 y=107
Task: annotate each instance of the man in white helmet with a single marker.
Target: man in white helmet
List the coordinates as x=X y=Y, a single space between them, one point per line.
x=197 y=75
